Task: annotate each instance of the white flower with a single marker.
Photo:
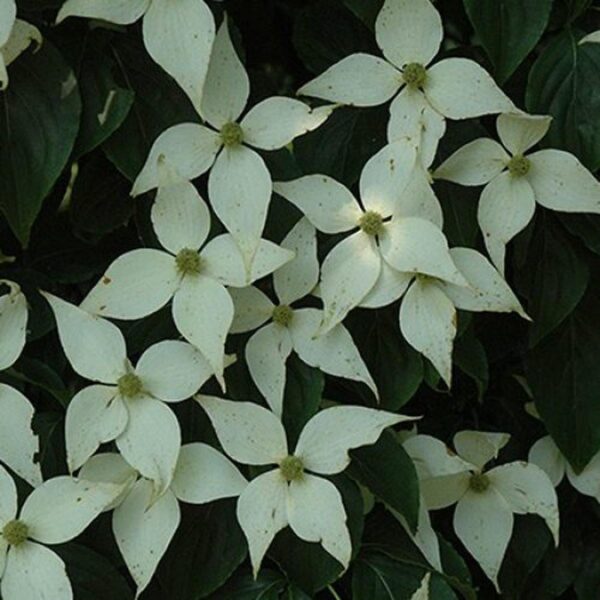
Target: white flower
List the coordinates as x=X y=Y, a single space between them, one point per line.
x=289 y=494
x=55 y=512
x=18 y=444
x=485 y=500
x=177 y=35
x=130 y=406
x=546 y=455
x=141 y=281
x=291 y=328
x=593 y=37
x=143 y=526
x=239 y=185
x=515 y=181
x=409 y=33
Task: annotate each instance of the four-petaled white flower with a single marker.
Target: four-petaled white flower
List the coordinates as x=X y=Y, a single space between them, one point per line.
x=15 y=37
x=293 y=328
x=144 y=526
x=18 y=444
x=290 y=494
x=129 y=405
x=514 y=182
x=178 y=35
x=55 y=512
x=141 y=281
x=239 y=184
x=409 y=33
x=485 y=500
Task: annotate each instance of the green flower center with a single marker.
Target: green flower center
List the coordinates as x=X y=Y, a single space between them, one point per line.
x=130 y=385
x=188 y=262
x=371 y=223
x=283 y=315
x=518 y=165
x=292 y=468
x=232 y=135
x=415 y=75
x=15 y=532
x=479 y=483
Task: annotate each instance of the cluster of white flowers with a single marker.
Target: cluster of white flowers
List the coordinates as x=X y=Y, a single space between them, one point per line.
x=392 y=248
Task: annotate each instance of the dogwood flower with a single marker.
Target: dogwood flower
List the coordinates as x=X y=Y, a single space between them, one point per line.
x=15 y=37
x=178 y=35
x=18 y=444
x=130 y=405
x=55 y=512
x=546 y=455
x=144 y=527
x=239 y=185
x=516 y=181
x=194 y=275
x=593 y=37
x=290 y=494
x=293 y=328
x=407 y=243
x=485 y=499
x=409 y=33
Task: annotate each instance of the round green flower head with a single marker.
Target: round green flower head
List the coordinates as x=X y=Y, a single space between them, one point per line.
x=232 y=135
x=15 y=532
x=292 y=468
x=188 y=262
x=371 y=223
x=479 y=483
x=283 y=315
x=414 y=75
x=130 y=385
x=519 y=166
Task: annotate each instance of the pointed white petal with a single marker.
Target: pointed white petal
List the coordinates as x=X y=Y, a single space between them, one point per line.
x=253 y=308
x=23 y=34
x=316 y=513
x=261 y=512
x=188 y=148
x=122 y=12
x=333 y=352
x=588 y=481
x=479 y=447
x=357 y=80
x=13 y=324
x=151 y=441
x=8 y=14
x=348 y=274
x=428 y=323
x=95 y=415
x=484 y=522
x=249 y=433
x=390 y=286
x=8 y=498
x=266 y=354
x=179 y=37
x=422 y=592
x=135 y=285
x=459 y=88
x=144 y=529
x=299 y=277
x=561 y=182
x=409 y=31
x=506 y=205
x=419 y=200
x=520 y=132
x=326 y=439
x=227 y=86
x=593 y=37
x=95 y=348
x=203 y=474
x=476 y=163
x=276 y=121
x=527 y=489
x=546 y=455
x=269 y=258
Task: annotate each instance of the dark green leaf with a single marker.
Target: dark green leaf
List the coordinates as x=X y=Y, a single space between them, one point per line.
x=585 y=227
x=242 y=586
x=365 y=10
x=470 y=357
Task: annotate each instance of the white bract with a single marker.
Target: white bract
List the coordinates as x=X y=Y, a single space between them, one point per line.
x=546 y=455
x=130 y=405
x=178 y=35
x=55 y=512
x=485 y=499
x=514 y=181
x=293 y=328
x=143 y=526
x=18 y=444
x=409 y=33
x=590 y=38
x=290 y=494
x=239 y=184
x=190 y=273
